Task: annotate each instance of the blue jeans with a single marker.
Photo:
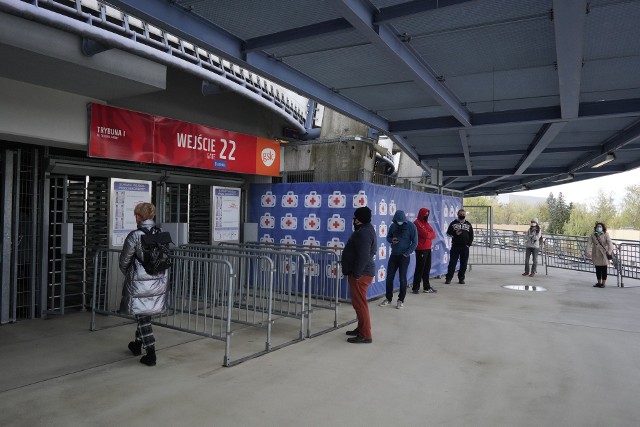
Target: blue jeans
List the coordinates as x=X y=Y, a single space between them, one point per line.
x=397 y=262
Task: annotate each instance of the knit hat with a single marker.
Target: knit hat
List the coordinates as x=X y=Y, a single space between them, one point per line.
x=363 y=215
x=535 y=220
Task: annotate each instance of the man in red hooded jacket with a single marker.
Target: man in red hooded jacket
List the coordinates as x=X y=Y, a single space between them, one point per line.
x=423 y=252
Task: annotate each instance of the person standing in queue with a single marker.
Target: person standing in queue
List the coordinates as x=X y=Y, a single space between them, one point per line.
x=461 y=233
x=600 y=251
x=143 y=294
x=423 y=252
x=532 y=247
x=357 y=264
x=403 y=237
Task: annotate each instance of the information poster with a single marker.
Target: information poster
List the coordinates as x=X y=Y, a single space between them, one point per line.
x=125 y=195
x=226 y=214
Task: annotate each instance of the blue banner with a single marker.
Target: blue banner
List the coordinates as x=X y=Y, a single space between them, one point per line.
x=320 y=214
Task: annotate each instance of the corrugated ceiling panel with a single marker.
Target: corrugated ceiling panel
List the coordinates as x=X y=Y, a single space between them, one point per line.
x=500 y=47
x=319 y=43
x=349 y=67
x=266 y=17
x=390 y=96
x=611 y=74
x=618 y=22
x=413 y=113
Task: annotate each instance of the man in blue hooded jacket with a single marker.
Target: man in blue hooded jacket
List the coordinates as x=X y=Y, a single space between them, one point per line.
x=403 y=237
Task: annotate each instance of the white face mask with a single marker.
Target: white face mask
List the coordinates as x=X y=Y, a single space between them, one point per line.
x=533 y=224
x=599 y=229
x=400 y=222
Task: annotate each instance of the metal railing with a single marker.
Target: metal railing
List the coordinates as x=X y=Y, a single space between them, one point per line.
x=207 y=296
x=500 y=247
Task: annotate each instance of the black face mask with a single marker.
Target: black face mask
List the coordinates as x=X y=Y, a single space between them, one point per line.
x=426 y=217
x=461 y=218
x=355 y=225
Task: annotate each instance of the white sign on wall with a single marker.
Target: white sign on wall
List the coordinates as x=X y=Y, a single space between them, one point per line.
x=226 y=214
x=125 y=195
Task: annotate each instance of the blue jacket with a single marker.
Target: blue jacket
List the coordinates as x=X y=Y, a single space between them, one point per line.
x=407 y=234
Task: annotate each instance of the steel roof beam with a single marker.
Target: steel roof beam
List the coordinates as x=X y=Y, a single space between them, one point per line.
x=548 y=150
x=361 y=14
x=588 y=110
x=176 y=20
x=543 y=138
x=281 y=38
x=484 y=182
x=569 y=18
x=465 y=149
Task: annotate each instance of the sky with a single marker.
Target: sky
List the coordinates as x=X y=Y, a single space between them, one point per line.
x=585 y=191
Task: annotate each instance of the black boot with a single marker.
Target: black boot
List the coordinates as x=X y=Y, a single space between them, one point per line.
x=136 y=347
x=149 y=359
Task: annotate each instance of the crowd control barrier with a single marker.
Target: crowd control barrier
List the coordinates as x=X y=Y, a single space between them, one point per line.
x=499 y=247
x=204 y=296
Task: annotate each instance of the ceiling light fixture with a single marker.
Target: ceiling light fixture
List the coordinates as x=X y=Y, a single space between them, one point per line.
x=610 y=158
x=563 y=178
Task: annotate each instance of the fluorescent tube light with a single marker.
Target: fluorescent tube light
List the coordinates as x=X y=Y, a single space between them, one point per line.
x=610 y=157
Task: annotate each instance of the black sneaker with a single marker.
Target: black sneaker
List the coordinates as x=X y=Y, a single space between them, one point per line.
x=461 y=282
x=430 y=291
x=353 y=333
x=415 y=291
x=447 y=282
x=359 y=340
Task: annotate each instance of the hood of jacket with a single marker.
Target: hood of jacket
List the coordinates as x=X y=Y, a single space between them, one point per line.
x=400 y=216
x=422 y=212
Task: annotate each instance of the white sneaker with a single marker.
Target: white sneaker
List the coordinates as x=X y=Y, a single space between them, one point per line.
x=384 y=303
x=400 y=305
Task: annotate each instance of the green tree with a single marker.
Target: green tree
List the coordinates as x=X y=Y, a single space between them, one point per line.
x=630 y=217
x=580 y=222
x=559 y=213
x=605 y=210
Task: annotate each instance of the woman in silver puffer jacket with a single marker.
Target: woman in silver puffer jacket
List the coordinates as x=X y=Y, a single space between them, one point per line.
x=143 y=294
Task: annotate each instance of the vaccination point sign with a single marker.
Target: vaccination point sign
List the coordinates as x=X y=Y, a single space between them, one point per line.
x=128 y=135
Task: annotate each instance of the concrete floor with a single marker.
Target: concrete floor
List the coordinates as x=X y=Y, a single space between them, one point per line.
x=470 y=355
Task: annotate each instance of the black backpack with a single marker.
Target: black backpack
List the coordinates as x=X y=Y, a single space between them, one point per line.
x=156 y=250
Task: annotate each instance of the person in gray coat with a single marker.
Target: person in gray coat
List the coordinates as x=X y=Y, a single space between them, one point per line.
x=143 y=294
x=532 y=247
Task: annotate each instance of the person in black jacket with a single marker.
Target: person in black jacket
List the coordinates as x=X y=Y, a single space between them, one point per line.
x=358 y=266
x=461 y=233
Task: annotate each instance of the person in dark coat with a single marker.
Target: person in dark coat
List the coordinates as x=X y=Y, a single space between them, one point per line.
x=143 y=294
x=403 y=237
x=461 y=233
x=423 y=252
x=358 y=266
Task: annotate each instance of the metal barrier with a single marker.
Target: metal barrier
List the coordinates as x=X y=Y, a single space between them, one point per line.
x=627 y=261
x=290 y=288
x=322 y=274
x=500 y=247
x=203 y=297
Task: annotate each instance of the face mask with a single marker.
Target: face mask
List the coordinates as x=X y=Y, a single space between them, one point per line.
x=599 y=229
x=533 y=224
x=461 y=217
x=400 y=222
x=426 y=217
x=355 y=225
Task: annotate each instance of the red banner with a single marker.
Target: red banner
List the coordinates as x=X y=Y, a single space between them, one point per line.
x=172 y=142
x=120 y=134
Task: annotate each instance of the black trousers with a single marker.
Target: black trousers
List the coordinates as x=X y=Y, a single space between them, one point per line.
x=423 y=269
x=461 y=253
x=601 y=272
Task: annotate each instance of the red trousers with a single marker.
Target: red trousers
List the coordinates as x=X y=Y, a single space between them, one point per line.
x=358 y=289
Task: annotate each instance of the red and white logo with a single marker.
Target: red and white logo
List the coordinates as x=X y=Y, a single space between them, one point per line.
x=382 y=274
x=312 y=222
x=335 y=223
x=382 y=251
x=289 y=200
x=333 y=271
x=314 y=269
x=288 y=222
x=289 y=267
x=268 y=200
x=336 y=245
x=312 y=200
x=268 y=156
x=266 y=239
x=311 y=242
x=392 y=207
x=337 y=200
x=383 y=207
x=360 y=199
x=288 y=240
x=267 y=221
x=383 y=229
